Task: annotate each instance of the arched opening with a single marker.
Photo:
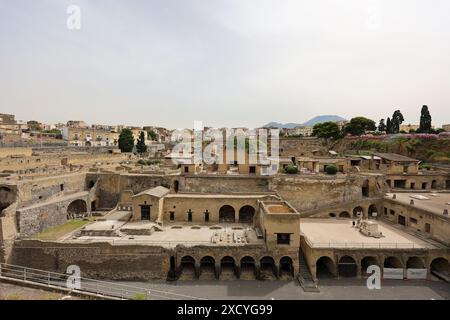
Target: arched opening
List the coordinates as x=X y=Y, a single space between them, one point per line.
x=6 y=198
x=226 y=214
x=325 y=268
x=91 y=184
x=227 y=268
x=207 y=267
x=88 y=144
x=76 y=209
x=246 y=214
x=176 y=185
x=188 y=267
x=434 y=184
x=347 y=267
x=286 y=267
x=393 y=262
x=367 y=262
x=248 y=268
x=373 y=211
x=267 y=267
x=344 y=214
x=332 y=215
x=358 y=212
x=415 y=263
x=440 y=268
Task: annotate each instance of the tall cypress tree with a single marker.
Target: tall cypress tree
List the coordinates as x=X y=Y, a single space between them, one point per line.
x=388 y=125
x=140 y=145
x=381 y=126
x=425 y=120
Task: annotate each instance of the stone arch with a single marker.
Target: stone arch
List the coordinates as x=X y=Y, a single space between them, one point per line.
x=267 y=265
x=332 y=215
x=357 y=210
x=187 y=265
x=325 y=267
x=372 y=209
x=344 y=214
x=227 y=267
x=246 y=214
x=6 y=198
x=227 y=214
x=91 y=184
x=286 y=266
x=415 y=263
x=76 y=209
x=440 y=267
x=208 y=266
x=393 y=262
x=248 y=267
x=368 y=261
x=347 y=267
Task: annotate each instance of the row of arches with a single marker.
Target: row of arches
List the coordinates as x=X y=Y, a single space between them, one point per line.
x=348 y=267
x=357 y=212
x=229 y=268
x=227 y=214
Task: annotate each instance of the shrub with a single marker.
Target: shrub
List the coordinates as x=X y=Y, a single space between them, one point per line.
x=331 y=169
x=291 y=169
x=141 y=162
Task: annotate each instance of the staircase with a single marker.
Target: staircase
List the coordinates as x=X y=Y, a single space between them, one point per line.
x=304 y=277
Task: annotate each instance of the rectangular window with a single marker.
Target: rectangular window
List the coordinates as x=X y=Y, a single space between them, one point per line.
x=392 y=212
x=283 y=238
x=427 y=227
x=186 y=169
x=413 y=220
x=189 y=216
x=385 y=211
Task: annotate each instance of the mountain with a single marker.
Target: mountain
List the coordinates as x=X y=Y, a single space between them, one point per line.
x=309 y=123
x=320 y=119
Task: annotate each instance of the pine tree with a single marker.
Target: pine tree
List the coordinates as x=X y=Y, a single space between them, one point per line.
x=140 y=145
x=397 y=119
x=425 y=120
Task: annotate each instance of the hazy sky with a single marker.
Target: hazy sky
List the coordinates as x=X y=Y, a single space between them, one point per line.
x=224 y=62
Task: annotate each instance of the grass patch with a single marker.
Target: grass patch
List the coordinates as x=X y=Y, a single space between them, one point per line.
x=59 y=231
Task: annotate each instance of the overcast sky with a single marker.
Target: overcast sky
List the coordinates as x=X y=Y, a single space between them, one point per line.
x=224 y=62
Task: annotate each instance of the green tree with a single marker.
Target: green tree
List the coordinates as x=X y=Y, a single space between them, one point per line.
x=396 y=121
x=359 y=125
x=140 y=145
x=126 y=140
x=331 y=169
x=382 y=126
x=388 y=125
x=151 y=135
x=291 y=169
x=326 y=130
x=425 y=120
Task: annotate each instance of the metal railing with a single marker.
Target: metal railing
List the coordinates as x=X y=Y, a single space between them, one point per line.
x=99 y=288
x=365 y=245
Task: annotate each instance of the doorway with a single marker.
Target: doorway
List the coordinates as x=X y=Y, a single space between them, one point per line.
x=145 y=212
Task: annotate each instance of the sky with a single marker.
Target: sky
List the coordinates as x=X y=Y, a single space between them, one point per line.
x=224 y=62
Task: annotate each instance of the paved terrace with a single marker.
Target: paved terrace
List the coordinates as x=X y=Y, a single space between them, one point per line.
x=172 y=235
x=436 y=202
x=334 y=233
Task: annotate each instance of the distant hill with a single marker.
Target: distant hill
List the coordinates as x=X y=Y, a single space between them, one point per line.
x=320 y=119
x=310 y=123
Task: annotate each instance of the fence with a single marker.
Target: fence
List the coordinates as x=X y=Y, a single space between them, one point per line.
x=365 y=245
x=86 y=286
